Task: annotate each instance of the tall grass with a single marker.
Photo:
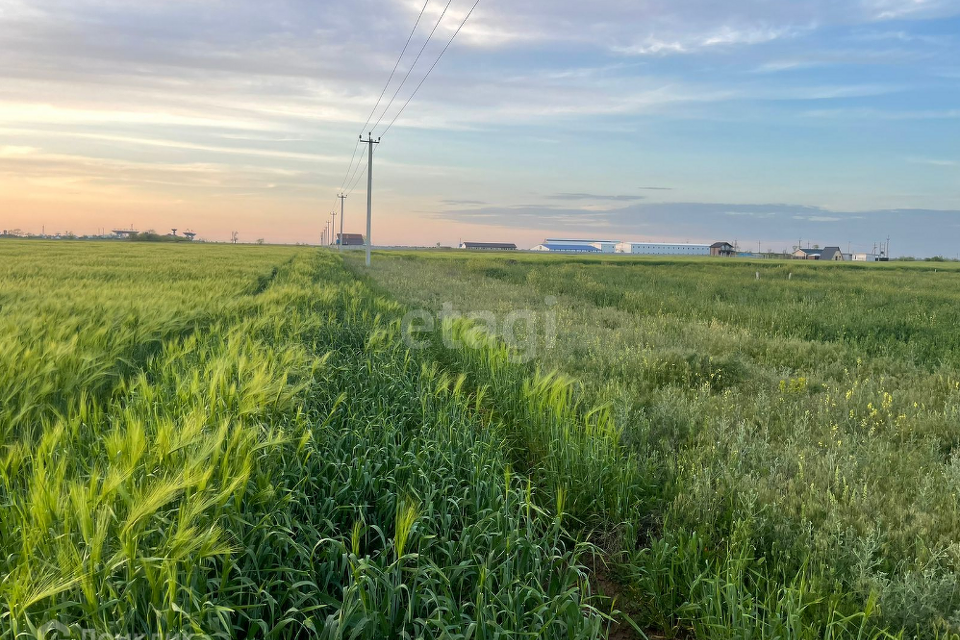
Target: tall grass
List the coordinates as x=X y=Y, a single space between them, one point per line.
x=275 y=464
x=792 y=435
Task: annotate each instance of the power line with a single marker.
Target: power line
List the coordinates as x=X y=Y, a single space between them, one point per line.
x=357 y=171
x=383 y=92
x=360 y=171
x=359 y=178
x=415 y=91
x=357 y=181
x=413 y=66
x=350 y=166
x=392 y=73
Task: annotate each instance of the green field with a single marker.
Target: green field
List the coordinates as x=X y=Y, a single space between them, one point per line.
x=235 y=441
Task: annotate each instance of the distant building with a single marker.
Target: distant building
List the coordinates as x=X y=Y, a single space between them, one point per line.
x=602 y=246
x=663 y=249
x=489 y=246
x=829 y=254
x=350 y=239
x=865 y=257
x=723 y=250
x=556 y=247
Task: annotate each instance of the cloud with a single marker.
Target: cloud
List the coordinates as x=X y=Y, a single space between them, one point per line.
x=900 y=9
x=753 y=214
x=724 y=36
x=10 y=150
x=934 y=162
x=818 y=218
x=462 y=203
x=777 y=66
x=594 y=196
x=860 y=113
x=287 y=86
x=664 y=27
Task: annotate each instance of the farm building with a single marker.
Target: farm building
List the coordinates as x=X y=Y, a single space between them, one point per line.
x=827 y=253
x=350 y=239
x=489 y=246
x=865 y=257
x=603 y=246
x=723 y=249
x=556 y=247
x=663 y=249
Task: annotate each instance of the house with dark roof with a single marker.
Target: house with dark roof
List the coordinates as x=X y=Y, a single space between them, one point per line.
x=829 y=254
x=350 y=239
x=723 y=249
x=489 y=246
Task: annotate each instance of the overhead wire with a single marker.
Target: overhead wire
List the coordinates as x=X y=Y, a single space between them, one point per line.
x=349 y=166
x=357 y=182
x=414 y=65
x=361 y=169
x=397 y=65
x=437 y=61
x=383 y=92
x=359 y=178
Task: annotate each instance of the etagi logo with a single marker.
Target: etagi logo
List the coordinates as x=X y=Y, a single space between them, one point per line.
x=56 y=630
x=525 y=331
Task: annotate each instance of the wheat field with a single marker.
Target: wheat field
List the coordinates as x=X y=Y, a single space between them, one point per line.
x=224 y=441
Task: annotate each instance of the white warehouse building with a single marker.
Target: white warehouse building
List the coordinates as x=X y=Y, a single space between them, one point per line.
x=663 y=249
x=603 y=246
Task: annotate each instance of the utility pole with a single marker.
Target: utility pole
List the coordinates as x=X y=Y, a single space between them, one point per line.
x=369 y=141
x=340 y=244
x=333 y=227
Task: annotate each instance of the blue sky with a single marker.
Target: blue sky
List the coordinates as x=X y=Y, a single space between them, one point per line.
x=756 y=121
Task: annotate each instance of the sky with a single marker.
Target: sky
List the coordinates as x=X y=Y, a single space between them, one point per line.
x=769 y=123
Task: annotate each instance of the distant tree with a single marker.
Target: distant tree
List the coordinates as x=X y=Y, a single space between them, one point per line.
x=261 y=241
x=151 y=236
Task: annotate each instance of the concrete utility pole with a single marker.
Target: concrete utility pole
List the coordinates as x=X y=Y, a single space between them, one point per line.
x=340 y=244
x=369 y=141
x=333 y=227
